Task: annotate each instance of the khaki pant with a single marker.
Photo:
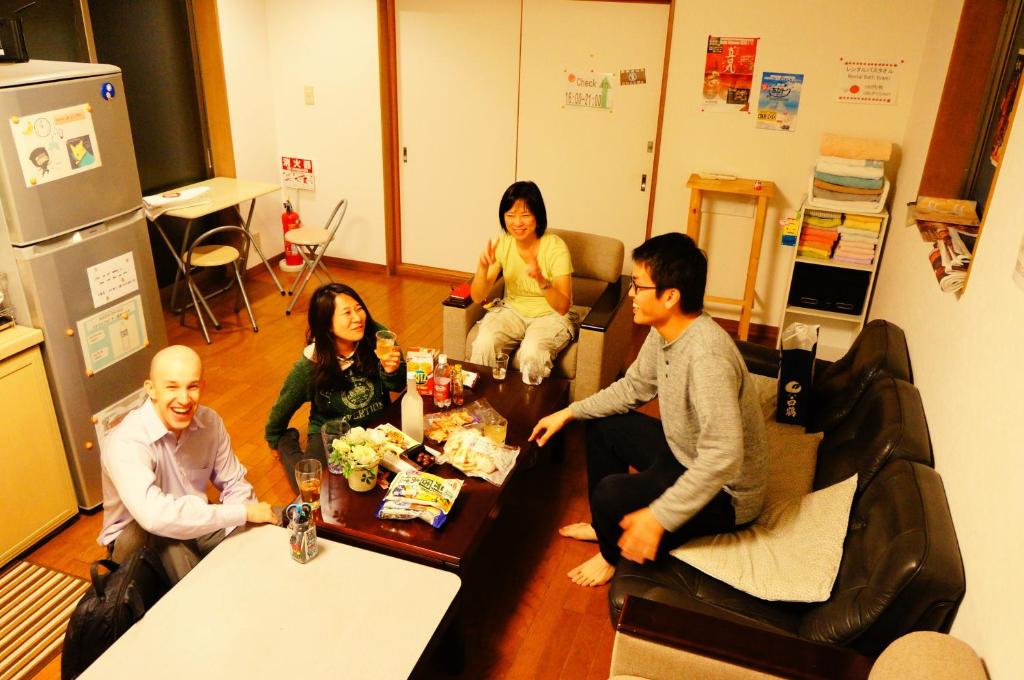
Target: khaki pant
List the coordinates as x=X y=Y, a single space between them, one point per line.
x=178 y=556
x=540 y=338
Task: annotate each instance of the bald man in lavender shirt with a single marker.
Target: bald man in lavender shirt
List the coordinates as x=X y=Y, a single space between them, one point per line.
x=156 y=466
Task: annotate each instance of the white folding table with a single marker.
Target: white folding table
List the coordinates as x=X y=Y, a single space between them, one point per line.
x=248 y=610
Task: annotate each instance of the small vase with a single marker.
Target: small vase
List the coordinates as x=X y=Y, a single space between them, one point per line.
x=335 y=469
x=362 y=478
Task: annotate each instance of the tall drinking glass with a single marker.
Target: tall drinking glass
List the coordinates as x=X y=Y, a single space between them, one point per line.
x=308 y=472
x=386 y=340
x=500 y=366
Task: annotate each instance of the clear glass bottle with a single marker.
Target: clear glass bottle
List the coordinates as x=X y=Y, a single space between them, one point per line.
x=412 y=411
x=442 y=382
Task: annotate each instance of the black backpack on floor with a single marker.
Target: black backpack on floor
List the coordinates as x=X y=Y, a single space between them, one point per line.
x=111 y=606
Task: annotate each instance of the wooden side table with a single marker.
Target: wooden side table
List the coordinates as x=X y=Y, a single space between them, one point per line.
x=762 y=190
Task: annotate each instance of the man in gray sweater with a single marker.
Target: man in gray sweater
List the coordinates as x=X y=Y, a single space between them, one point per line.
x=702 y=468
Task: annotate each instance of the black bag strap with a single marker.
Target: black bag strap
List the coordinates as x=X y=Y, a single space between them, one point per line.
x=99 y=580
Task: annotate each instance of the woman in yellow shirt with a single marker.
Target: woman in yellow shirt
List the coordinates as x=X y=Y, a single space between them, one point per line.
x=534 y=314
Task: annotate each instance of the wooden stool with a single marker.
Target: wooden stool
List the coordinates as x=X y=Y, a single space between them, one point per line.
x=743 y=187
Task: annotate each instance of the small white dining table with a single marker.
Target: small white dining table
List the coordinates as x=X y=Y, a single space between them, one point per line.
x=248 y=610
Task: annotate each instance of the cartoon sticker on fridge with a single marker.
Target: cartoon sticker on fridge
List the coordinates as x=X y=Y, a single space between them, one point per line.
x=55 y=144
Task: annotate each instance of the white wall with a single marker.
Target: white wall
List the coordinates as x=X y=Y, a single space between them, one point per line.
x=272 y=50
x=963 y=362
x=243 y=29
x=804 y=36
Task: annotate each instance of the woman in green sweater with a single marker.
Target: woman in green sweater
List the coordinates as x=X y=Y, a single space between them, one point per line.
x=338 y=373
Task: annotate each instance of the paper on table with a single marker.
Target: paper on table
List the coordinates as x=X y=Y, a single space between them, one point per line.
x=157 y=204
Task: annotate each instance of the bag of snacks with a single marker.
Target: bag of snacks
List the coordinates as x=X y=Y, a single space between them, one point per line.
x=439 y=426
x=414 y=494
x=477 y=456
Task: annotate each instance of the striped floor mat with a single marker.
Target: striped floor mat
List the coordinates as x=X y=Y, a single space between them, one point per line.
x=35 y=604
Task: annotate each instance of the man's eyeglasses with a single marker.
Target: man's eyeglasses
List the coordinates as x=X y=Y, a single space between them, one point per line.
x=637 y=288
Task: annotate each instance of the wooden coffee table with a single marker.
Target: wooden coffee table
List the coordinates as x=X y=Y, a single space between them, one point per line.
x=350 y=517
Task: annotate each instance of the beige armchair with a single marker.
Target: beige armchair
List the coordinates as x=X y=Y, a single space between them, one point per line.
x=599 y=293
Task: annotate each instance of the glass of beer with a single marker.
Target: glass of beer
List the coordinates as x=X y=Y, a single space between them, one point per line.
x=308 y=473
x=386 y=341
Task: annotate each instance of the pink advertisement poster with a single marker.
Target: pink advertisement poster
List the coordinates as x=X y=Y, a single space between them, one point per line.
x=728 y=74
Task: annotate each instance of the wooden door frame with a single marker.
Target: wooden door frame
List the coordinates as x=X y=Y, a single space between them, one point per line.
x=387 y=41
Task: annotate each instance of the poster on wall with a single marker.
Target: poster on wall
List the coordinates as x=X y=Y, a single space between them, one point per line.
x=588 y=90
x=55 y=144
x=779 y=101
x=1006 y=109
x=728 y=74
x=868 y=81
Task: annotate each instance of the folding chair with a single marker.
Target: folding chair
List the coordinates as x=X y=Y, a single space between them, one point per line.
x=312 y=243
x=201 y=256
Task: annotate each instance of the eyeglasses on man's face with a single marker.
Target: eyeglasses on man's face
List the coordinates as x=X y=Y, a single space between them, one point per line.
x=636 y=288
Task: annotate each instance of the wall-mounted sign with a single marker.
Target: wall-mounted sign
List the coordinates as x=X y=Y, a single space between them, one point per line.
x=633 y=76
x=779 y=101
x=297 y=173
x=864 y=81
x=589 y=90
x=728 y=74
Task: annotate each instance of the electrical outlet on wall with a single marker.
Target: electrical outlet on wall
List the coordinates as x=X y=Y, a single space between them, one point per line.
x=307 y=94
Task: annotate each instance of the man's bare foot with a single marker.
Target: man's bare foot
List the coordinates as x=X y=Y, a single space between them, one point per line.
x=594 y=572
x=580 y=531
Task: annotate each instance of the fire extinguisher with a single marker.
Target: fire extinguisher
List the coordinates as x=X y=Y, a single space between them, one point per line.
x=290 y=220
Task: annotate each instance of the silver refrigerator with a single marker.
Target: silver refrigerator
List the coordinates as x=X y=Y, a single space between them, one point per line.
x=75 y=247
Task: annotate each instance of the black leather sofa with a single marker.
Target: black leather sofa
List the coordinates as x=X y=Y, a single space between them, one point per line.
x=901 y=569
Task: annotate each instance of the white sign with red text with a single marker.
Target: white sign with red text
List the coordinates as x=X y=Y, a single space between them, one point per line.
x=868 y=81
x=297 y=173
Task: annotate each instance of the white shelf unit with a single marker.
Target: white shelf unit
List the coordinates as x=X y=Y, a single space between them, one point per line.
x=845 y=285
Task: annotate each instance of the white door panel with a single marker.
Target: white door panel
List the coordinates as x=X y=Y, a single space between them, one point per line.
x=458 y=70
x=589 y=162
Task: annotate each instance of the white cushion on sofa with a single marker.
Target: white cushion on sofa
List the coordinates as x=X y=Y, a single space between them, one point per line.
x=791 y=552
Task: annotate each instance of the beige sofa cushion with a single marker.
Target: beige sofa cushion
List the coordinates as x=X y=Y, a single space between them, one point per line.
x=791 y=552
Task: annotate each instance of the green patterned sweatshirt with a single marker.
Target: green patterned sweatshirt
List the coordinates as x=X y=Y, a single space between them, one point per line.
x=367 y=396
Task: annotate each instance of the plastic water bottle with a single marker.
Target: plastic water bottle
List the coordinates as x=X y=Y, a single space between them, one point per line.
x=442 y=383
x=412 y=411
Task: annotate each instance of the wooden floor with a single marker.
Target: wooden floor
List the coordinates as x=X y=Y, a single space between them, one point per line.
x=526 y=619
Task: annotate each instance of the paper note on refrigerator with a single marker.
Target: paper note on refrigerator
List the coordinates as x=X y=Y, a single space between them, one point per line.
x=112 y=279
x=107 y=419
x=112 y=334
x=55 y=144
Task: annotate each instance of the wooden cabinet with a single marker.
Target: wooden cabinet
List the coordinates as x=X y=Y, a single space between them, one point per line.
x=35 y=484
x=835 y=295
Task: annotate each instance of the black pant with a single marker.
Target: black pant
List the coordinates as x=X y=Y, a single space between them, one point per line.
x=616 y=443
x=290 y=452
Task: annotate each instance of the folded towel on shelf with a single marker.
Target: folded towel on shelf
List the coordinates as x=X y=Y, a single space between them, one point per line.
x=823 y=222
x=812 y=252
x=823 y=233
x=842 y=196
x=857 y=236
x=846 y=249
x=854 y=260
x=854 y=162
x=855 y=147
x=874 y=206
x=848 y=170
x=829 y=186
x=853 y=232
x=859 y=182
x=852 y=222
